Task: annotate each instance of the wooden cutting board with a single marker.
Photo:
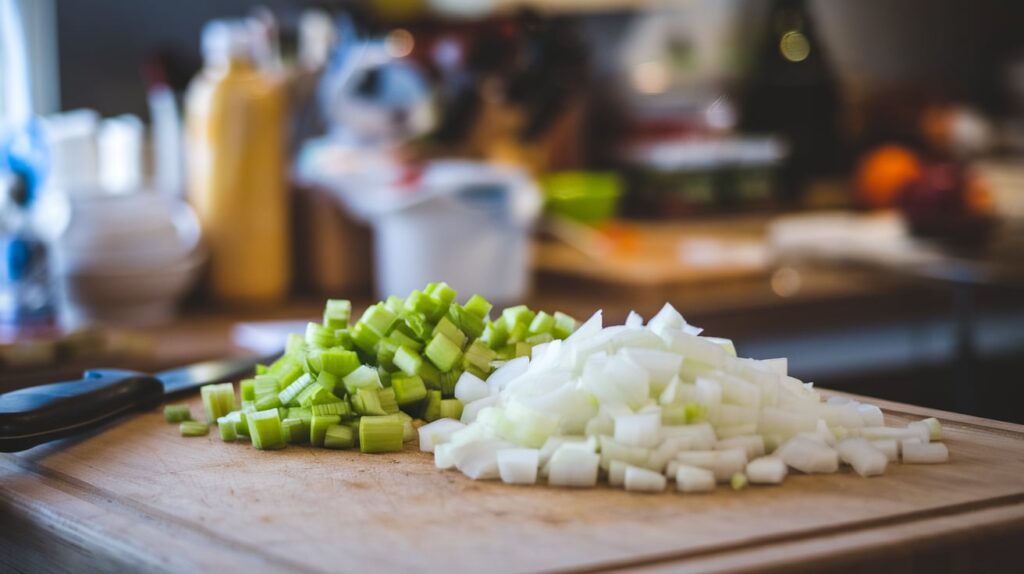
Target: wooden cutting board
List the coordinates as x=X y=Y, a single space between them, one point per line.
x=139 y=496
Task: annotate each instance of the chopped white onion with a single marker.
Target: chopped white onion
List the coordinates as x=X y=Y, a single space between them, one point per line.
x=694 y=479
x=479 y=460
x=470 y=388
x=924 y=453
x=470 y=411
x=438 y=432
x=808 y=456
x=643 y=480
x=640 y=430
x=573 y=467
x=518 y=465
x=889 y=447
x=766 y=470
x=752 y=444
x=865 y=459
x=617 y=473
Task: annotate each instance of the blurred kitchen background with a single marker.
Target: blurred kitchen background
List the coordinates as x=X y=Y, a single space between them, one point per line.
x=836 y=181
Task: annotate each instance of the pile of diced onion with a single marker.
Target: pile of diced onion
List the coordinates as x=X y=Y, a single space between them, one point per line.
x=642 y=405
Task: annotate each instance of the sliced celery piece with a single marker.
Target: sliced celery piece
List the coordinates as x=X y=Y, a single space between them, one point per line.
x=338 y=362
x=401 y=339
x=337 y=313
x=468 y=323
x=380 y=434
x=303 y=413
x=447 y=328
x=432 y=409
x=430 y=375
x=443 y=353
x=379 y=319
x=539 y=338
x=518 y=333
x=318 y=336
x=318 y=427
x=266 y=385
x=420 y=302
x=316 y=394
x=479 y=355
x=450 y=409
x=386 y=353
x=443 y=295
x=518 y=315
x=408 y=389
x=288 y=375
x=564 y=325
x=478 y=306
x=226 y=427
x=193 y=428
x=364 y=338
x=289 y=395
x=395 y=304
x=177 y=413
x=367 y=402
x=407 y=360
x=388 y=401
x=365 y=377
x=343 y=339
x=267 y=402
x=340 y=408
x=542 y=323
x=265 y=430
x=418 y=325
x=247 y=389
x=495 y=334
x=218 y=400
x=339 y=437
x=448 y=381
x=262 y=369
x=295 y=430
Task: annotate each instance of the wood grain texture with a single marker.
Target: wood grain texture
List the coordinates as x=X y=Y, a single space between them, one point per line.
x=139 y=495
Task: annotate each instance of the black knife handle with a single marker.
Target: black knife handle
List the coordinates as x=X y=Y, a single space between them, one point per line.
x=35 y=415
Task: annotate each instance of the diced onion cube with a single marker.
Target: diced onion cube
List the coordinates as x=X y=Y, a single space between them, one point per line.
x=518 y=465
x=922 y=453
x=643 y=480
x=694 y=479
x=766 y=470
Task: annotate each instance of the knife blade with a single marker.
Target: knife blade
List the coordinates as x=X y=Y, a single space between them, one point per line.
x=39 y=414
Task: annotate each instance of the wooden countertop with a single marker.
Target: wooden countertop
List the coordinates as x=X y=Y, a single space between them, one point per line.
x=139 y=497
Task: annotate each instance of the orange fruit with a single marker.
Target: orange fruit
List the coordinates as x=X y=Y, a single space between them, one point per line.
x=883 y=172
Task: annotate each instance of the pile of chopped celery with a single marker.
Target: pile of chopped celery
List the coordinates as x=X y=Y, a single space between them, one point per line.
x=642 y=405
x=371 y=383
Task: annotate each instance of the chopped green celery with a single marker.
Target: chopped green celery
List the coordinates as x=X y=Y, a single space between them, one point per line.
x=479 y=355
x=280 y=363
x=318 y=427
x=282 y=412
x=478 y=306
x=367 y=402
x=518 y=315
x=388 y=402
x=386 y=353
x=542 y=323
x=353 y=424
x=265 y=430
x=443 y=352
x=266 y=384
x=247 y=388
x=448 y=381
x=380 y=434
x=296 y=431
x=289 y=395
x=518 y=333
x=385 y=377
x=446 y=327
x=364 y=338
x=420 y=302
x=316 y=394
x=418 y=325
x=564 y=325
x=478 y=373
x=193 y=428
x=318 y=336
x=407 y=360
x=267 y=402
x=343 y=339
x=432 y=409
x=379 y=319
x=395 y=304
x=467 y=322
x=303 y=413
x=227 y=429
x=495 y=334
x=409 y=432
x=361 y=378
x=443 y=295
x=430 y=375
x=534 y=340
x=523 y=349
x=505 y=353
x=408 y=389
x=337 y=313
x=451 y=409
x=218 y=400
x=288 y=375
x=329 y=382
x=340 y=408
x=339 y=437
x=238 y=420
x=401 y=339
x=338 y=362
x=262 y=369
x=313 y=362
x=295 y=344
x=177 y=413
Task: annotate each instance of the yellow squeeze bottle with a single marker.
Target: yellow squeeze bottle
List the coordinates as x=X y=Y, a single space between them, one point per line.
x=236 y=135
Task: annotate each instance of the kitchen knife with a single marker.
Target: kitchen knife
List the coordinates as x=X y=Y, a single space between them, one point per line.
x=35 y=415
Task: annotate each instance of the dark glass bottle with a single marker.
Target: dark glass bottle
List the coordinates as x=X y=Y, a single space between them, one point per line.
x=791 y=92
